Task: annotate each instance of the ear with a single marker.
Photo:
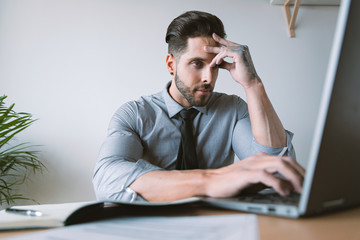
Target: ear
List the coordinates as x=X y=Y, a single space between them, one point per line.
x=170 y=63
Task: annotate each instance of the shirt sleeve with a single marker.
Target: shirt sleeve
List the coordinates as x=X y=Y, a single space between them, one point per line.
x=244 y=143
x=119 y=162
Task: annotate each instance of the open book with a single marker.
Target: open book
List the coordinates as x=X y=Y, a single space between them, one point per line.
x=58 y=215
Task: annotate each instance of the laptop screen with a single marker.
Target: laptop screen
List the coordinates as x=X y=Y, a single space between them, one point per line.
x=333 y=171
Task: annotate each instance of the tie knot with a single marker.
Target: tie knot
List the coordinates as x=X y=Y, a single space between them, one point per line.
x=188 y=114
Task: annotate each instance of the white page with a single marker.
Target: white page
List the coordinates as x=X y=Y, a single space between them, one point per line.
x=53 y=216
x=237 y=226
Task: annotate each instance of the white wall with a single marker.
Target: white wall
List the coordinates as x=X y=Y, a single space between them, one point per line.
x=72 y=63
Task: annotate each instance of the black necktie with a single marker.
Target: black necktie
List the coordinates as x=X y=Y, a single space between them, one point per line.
x=187 y=152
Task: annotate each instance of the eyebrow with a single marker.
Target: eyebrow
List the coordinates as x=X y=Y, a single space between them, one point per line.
x=197 y=59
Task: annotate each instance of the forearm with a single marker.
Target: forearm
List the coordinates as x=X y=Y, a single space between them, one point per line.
x=266 y=125
x=223 y=182
x=171 y=185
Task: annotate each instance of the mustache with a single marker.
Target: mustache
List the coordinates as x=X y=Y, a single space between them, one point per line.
x=205 y=86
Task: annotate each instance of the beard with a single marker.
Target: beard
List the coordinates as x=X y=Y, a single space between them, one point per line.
x=190 y=94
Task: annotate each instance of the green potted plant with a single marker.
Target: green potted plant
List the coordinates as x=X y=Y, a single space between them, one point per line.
x=16 y=160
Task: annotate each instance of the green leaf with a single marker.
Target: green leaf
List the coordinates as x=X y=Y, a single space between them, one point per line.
x=6 y=139
x=15 y=161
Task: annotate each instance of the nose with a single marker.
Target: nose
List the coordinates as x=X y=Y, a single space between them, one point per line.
x=209 y=75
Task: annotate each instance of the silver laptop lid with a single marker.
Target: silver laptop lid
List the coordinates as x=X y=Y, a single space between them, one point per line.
x=332 y=177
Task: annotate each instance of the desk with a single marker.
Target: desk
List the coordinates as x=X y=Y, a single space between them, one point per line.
x=343 y=225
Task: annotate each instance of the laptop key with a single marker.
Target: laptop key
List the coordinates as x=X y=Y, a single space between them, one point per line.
x=271 y=198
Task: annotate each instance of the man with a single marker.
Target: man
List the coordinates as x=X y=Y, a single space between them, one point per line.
x=147 y=154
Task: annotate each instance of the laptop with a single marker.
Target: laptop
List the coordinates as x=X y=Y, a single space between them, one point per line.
x=333 y=172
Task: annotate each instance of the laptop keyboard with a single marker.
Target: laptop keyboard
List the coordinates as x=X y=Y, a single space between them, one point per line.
x=271 y=198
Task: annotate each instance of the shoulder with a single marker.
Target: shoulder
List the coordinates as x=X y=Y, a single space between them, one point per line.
x=145 y=105
x=228 y=105
x=226 y=101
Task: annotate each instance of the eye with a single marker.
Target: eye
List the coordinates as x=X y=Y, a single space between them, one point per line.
x=197 y=64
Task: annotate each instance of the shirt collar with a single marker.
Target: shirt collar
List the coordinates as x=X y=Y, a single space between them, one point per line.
x=173 y=107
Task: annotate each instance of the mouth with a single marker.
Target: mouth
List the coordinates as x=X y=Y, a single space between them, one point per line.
x=203 y=91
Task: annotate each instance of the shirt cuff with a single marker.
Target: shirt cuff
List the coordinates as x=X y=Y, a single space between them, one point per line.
x=277 y=151
x=119 y=189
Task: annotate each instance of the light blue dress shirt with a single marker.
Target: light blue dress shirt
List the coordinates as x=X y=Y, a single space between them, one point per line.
x=144 y=135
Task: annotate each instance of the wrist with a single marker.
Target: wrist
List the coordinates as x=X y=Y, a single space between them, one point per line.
x=195 y=182
x=254 y=85
x=208 y=181
x=256 y=93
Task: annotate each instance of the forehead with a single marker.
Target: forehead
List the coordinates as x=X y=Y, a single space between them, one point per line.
x=195 y=48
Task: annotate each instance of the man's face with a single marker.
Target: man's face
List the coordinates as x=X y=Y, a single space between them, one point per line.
x=194 y=80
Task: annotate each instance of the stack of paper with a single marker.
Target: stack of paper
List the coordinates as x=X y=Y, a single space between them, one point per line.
x=225 y=227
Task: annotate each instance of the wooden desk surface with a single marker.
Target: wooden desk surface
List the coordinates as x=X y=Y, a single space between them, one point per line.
x=343 y=225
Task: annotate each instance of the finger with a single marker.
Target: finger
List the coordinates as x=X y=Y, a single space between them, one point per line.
x=281 y=186
x=295 y=165
x=225 y=65
x=289 y=162
x=291 y=174
x=219 y=58
x=298 y=172
x=210 y=49
x=222 y=41
x=274 y=164
x=283 y=159
x=219 y=39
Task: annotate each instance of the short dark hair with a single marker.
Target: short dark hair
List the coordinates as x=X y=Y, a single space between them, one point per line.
x=192 y=24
